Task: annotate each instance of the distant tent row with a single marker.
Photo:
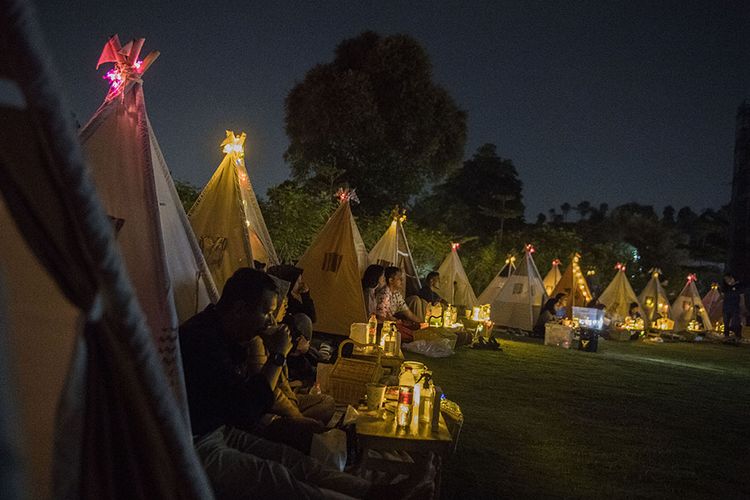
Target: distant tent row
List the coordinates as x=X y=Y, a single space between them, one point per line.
x=618 y=296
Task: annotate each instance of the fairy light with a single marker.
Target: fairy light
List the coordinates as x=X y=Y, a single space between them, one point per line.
x=530 y=248
x=347 y=195
x=455 y=246
x=620 y=267
x=692 y=278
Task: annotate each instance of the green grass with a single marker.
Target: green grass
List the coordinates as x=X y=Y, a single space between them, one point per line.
x=633 y=420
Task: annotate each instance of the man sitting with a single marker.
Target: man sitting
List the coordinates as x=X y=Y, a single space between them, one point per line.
x=226 y=399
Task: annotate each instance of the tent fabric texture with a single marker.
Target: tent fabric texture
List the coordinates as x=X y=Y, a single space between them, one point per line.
x=573 y=284
x=618 y=296
x=552 y=278
x=714 y=304
x=164 y=262
x=653 y=300
x=392 y=249
x=492 y=290
x=104 y=421
x=521 y=299
x=227 y=219
x=454 y=285
x=333 y=265
x=688 y=306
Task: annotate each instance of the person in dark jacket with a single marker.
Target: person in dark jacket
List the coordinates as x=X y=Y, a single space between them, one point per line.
x=548 y=314
x=428 y=293
x=733 y=291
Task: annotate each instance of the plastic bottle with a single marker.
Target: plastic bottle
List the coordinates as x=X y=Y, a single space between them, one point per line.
x=406 y=384
x=390 y=341
x=427 y=398
x=437 y=397
x=372 y=329
x=316 y=389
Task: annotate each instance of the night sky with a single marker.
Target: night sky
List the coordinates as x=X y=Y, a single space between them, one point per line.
x=632 y=101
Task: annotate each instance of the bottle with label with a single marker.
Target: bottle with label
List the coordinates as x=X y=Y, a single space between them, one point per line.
x=372 y=329
x=426 y=400
x=406 y=384
x=390 y=341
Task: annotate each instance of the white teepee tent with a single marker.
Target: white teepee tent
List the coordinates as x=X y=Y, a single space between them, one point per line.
x=454 y=284
x=618 y=295
x=689 y=306
x=392 y=249
x=714 y=304
x=553 y=277
x=653 y=299
x=522 y=297
x=333 y=267
x=493 y=289
x=161 y=254
x=227 y=219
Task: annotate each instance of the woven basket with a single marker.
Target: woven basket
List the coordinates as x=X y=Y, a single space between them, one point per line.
x=349 y=376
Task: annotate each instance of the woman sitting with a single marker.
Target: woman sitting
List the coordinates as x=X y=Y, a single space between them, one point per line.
x=548 y=314
x=372 y=281
x=392 y=307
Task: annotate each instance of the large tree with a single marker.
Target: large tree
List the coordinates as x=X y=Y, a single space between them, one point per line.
x=373 y=118
x=482 y=198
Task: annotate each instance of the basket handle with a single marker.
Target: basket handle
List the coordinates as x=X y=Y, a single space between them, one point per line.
x=358 y=344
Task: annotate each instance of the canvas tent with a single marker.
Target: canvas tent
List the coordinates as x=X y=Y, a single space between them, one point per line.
x=454 y=285
x=522 y=297
x=334 y=265
x=688 y=306
x=392 y=249
x=227 y=219
x=161 y=254
x=714 y=304
x=618 y=295
x=653 y=299
x=552 y=277
x=97 y=416
x=493 y=289
x=573 y=284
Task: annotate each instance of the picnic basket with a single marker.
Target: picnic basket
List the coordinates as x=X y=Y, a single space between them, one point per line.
x=349 y=376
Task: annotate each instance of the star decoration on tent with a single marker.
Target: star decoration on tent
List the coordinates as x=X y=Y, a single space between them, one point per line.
x=655 y=272
x=620 y=267
x=234 y=143
x=128 y=67
x=556 y=262
x=530 y=248
x=455 y=246
x=347 y=195
x=692 y=277
x=510 y=259
x=398 y=214
x=714 y=286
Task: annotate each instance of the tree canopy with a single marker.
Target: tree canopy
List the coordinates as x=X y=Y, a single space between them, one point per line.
x=374 y=118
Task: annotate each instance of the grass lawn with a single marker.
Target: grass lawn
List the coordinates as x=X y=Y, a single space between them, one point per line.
x=633 y=420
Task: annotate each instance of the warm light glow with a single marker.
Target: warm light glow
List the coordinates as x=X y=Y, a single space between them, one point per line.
x=347 y=195
x=455 y=246
x=530 y=248
x=620 y=267
x=556 y=262
x=714 y=286
x=692 y=277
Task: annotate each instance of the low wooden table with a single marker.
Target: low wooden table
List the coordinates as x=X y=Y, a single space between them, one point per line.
x=377 y=431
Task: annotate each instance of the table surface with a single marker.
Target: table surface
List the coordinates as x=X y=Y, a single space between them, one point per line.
x=381 y=426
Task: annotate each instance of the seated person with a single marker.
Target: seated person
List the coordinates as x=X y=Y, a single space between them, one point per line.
x=548 y=314
x=392 y=307
x=428 y=291
x=226 y=400
x=372 y=281
x=634 y=310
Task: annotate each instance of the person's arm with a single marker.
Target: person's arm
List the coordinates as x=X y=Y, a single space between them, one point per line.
x=383 y=309
x=308 y=306
x=278 y=343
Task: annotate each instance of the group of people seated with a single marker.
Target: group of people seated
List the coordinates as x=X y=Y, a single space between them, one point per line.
x=382 y=287
x=251 y=431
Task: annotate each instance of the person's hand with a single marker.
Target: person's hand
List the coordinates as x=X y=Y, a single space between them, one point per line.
x=303 y=345
x=279 y=340
x=303 y=288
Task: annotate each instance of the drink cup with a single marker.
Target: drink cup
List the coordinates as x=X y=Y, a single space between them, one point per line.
x=375 y=396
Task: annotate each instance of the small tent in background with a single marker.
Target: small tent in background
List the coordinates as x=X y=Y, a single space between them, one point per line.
x=653 y=299
x=618 y=296
x=714 y=304
x=573 y=284
x=161 y=254
x=226 y=217
x=519 y=302
x=392 y=249
x=688 y=306
x=334 y=265
x=493 y=289
x=553 y=277
x=454 y=284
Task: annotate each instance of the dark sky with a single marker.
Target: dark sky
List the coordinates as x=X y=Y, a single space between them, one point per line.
x=629 y=101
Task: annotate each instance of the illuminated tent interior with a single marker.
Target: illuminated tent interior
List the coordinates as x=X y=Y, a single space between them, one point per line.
x=573 y=284
x=493 y=289
x=653 y=299
x=688 y=307
x=553 y=277
x=334 y=264
x=227 y=219
x=392 y=249
x=618 y=295
x=454 y=284
x=86 y=404
x=519 y=302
